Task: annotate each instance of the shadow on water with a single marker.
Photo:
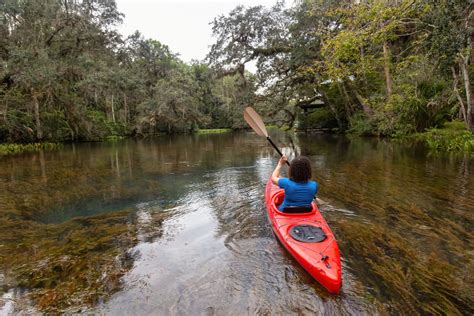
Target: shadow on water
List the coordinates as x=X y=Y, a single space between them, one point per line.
x=177 y=225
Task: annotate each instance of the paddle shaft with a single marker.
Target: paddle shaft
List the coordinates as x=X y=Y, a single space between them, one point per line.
x=276 y=148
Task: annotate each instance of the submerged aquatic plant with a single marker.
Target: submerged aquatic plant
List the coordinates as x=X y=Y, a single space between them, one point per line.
x=412 y=281
x=71 y=264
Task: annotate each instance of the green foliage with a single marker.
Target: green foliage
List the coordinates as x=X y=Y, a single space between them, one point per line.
x=361 y=125
x=452 y=137
x=449 y=33
x=455 y=126
x=67 y=75
x=15 y=127
x=213 y=131
x=56 y=126
x=8 y=149
x=430 y=90
x=381 y=67
x=318 y=118
x=98 y=127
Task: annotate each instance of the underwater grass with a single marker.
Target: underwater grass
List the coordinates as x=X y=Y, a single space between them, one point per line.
x=71 y=265
x=395 y=252
x=76 y=263
x=408 y=243
x=411 y=280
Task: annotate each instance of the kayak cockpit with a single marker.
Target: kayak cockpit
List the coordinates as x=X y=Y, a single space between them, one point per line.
x=277 y=199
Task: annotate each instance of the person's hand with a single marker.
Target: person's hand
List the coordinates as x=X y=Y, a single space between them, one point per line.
x=282 y=160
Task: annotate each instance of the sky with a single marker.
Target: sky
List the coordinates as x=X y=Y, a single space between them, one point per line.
x=183 y=25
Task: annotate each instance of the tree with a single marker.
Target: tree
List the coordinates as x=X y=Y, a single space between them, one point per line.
x=173 y=105
x=44 y=52
x=369 y=61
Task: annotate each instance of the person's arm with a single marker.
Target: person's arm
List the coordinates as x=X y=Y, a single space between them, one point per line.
x=276 y=172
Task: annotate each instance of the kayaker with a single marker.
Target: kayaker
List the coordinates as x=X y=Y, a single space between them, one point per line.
x=300 y=190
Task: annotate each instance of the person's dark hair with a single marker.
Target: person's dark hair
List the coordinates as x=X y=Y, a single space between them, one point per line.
x=300 y=169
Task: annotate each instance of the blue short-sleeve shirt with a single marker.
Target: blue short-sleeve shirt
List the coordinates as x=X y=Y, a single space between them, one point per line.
x=297 y=193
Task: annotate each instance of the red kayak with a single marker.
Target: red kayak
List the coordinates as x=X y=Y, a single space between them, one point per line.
x=307 y=237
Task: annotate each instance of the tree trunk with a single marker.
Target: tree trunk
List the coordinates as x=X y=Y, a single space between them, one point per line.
x=39 y=130
x=470 y=26
x=125 y=108
x=458 y=96
x=112 y=108
x=464 y=63
x=386 y=66
x=107 y=108
x=292 y=118
x=367 y=109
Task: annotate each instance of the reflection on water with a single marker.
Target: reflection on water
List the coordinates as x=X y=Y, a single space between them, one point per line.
x=177 y=225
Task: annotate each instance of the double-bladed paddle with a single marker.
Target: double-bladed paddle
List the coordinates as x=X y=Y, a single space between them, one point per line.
x=256 y=123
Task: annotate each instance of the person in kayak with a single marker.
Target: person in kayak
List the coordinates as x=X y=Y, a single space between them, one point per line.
x=299 y=189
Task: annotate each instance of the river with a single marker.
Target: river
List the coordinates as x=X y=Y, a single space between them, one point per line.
x=177 y=226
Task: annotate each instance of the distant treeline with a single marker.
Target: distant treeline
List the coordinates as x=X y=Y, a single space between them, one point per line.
x=66 y=74
x=381 y=67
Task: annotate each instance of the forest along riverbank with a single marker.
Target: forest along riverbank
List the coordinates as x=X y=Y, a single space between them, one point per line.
x=369 y=68
x=180 y=222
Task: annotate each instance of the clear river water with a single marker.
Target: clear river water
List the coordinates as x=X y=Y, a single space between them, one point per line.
x=177 y=226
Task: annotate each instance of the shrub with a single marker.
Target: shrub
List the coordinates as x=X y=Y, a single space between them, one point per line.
x=55 y=126
x=318 y=118
x=452 y=137
x=361 y=125
x=7 y=149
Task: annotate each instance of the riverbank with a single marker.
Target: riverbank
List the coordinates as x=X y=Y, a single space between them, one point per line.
x=452 y=137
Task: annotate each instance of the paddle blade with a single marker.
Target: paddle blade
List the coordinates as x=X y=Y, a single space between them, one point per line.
x=255 y=122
